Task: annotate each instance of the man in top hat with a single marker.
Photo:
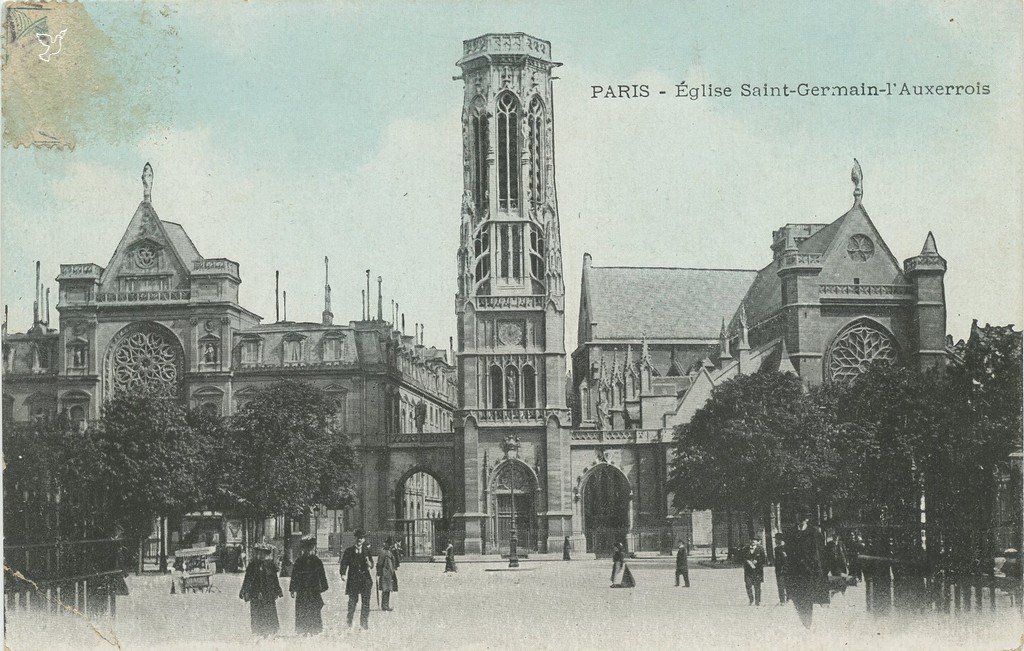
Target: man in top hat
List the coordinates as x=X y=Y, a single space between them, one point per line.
x=308 y=582
x=682 y=564
x=387 y=574
x=753 y=558
x=356 y=563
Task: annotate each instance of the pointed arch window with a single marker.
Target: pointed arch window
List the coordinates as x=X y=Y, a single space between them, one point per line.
x=496 y=387
x=535 y=122
x=529 y=387
x=482 y=255
x=479 y=164
x=536 y=252
x=508 y=152
x=585 y=401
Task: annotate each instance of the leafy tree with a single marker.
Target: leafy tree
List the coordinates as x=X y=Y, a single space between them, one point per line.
x=286 y=453
x=150 y=461
x=758 y=441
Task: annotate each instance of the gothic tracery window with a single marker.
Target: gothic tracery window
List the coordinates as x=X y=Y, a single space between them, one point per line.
x=536 y=252
x=145 y=360
x=857 y=348
x=479 y=167
x=508 y=152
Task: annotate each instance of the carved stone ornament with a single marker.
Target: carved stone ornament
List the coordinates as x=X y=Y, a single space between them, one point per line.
x=510 y=446
x=856 y=349
x=510 y=333
x=145 y=257
x=860 y=248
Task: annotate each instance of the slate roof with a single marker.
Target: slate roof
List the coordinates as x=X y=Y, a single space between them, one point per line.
x=664 y=303
x=182 y=243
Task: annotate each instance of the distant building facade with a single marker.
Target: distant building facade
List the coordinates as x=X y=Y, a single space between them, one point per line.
x=160 y=315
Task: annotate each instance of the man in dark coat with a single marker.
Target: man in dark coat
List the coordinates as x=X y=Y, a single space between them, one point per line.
x=261 y=589
x=682 y=565
x=753 y=559
x=308 y=582
x=566 y=546
x=355 y=566
x=387 y=575
x=806 y=582
x=781 y=554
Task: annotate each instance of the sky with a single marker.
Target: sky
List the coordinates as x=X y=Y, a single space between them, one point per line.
x=283 y=132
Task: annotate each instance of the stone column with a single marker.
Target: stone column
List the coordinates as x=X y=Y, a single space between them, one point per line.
x=471 y=516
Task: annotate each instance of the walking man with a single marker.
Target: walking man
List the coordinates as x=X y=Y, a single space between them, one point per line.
x=565 y=549
x=781 y=555
x=753 y=570
x=805 y=569
x=356 y=563
x=682 y=564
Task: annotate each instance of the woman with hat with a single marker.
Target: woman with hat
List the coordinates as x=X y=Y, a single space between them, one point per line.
x=261 y=589
x=308 y=582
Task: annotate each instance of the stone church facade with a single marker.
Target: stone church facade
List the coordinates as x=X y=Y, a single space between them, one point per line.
x=493 y=435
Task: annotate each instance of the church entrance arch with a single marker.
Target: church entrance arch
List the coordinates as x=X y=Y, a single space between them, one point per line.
x=513 y=498
x=421 y=512
x=605 y=508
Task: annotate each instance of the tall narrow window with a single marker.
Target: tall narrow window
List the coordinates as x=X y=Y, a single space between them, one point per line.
x=480 y=144
x=517 y=252
x=508 y=152
x=482 y=253
x=496 y=387
x=585 y=401
x=536 y=144
x=503 y=251
x=536 y=252
x=529 y=387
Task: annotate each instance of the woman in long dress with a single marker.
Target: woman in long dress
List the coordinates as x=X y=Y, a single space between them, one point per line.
x=308 y=581
x=449 y=559
x=261 y=589
x=621 y=576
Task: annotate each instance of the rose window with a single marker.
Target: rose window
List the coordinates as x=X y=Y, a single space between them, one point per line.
x=856 y=349
x=860 y=248
x=145 y=361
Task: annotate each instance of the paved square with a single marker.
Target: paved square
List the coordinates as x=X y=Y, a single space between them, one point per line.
x=547 y=604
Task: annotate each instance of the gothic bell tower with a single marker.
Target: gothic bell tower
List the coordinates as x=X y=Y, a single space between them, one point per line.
x=511 y=299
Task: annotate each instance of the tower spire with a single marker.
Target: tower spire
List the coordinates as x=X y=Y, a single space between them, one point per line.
x=328 y=316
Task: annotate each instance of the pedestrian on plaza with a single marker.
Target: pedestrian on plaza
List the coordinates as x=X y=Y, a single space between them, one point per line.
x=387 y=574
x=835 y=553
x=261 y=589
x=355 y=566
x=753 y=559
x=781 y=555
x=307 y=584
x=565 y=549
x=449 y=558
x=621 y=576
x=682 y=564
x=806 y=582
x=855 y=550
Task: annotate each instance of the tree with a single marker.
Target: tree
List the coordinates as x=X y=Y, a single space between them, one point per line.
x=758 y=441
x=150 y=461
x=286 y=453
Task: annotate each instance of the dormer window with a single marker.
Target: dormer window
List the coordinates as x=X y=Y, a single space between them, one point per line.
x=292 y=348
x=251 y=350
x=333 y=347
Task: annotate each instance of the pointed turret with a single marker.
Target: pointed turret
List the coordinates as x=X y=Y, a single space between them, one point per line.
x=785 y=363
x=724 y=356
x=743 y=347
x=328 y=316
x=926 y=272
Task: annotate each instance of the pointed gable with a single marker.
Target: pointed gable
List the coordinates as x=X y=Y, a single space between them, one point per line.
x=857 y=250
x=148 y=258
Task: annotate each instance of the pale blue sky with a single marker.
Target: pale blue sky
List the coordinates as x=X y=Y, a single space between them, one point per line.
x=281 y=132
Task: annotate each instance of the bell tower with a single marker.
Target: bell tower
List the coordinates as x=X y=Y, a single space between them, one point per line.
x=510 y=303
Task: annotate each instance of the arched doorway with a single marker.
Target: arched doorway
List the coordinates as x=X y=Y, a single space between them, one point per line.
x=513 y=490
x=605 y=509
x=422 y=519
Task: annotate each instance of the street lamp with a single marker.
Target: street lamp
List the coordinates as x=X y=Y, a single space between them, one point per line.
x=513 y=541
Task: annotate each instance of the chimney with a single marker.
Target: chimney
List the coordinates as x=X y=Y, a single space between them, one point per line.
x=403 y=324
x=284 y=302
x=277 y=296
x=451 y=348
x=35 y=303
x=380 y=299
x=47 y=307
x=367 y=294
x=362 y=293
